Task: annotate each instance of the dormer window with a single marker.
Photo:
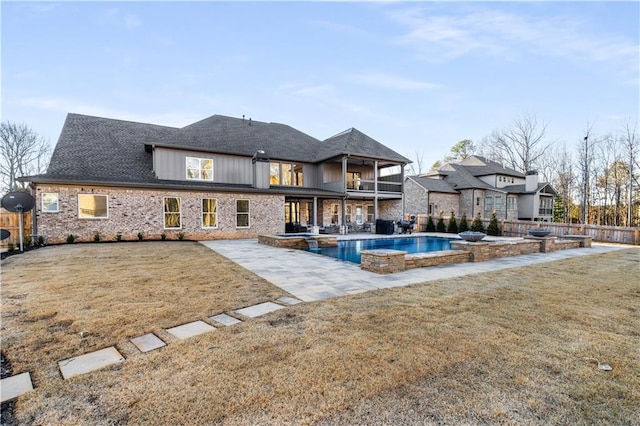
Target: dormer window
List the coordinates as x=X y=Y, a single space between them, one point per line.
x=199 y=168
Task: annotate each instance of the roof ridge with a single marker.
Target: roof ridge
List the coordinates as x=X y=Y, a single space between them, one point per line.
x=119 y=120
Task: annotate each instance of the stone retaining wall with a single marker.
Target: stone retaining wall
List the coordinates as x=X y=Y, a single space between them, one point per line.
x=297 y=242
x=445 y=257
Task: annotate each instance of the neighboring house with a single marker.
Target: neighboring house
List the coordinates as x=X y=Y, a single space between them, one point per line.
x=477 y=185
x=220 y=177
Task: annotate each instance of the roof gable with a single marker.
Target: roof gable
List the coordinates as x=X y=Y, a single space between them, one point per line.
x=354 y=142
x=433 y=184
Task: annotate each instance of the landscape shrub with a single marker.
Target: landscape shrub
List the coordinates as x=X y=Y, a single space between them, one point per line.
x=96 y=237
x=71 y=238
x=477 y=225
x=431 y=227
x=493 y=228
x=464 y=225
x=452 y=227
x=140 y=236
x=440 y=226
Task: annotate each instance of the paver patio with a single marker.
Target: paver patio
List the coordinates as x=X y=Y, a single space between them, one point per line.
x=311 y=277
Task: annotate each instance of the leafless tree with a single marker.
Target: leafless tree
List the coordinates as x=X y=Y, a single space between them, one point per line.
x=585 y=161
x=560 y=172
x=631 y=147
x=521 y=145
x=22 y=153
x=417 y=166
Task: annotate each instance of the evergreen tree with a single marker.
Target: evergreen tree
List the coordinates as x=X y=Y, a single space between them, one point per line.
x=477 y=225
x=464 y=225
x=452 y=227
x=440 y=226
x=493 y=228
x=558 y=209
x=431 y=227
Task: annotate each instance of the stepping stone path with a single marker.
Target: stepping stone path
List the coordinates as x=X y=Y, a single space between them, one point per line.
x=289 y=300
x=148 y=342
x=14 y=386
x=190 y=329
x=259 y=310
x=225 y=319
x=89 y=362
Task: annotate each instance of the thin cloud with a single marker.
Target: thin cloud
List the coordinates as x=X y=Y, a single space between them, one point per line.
x=442 y=37
x=389 y=81
x=119 y=18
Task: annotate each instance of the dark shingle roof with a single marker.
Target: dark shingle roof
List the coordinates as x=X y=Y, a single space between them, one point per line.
x=490 y=168
x=434 y=184
x=95 y=149
x=245 y=136
x=353 y=141
x=461 y=178
x=105 y=149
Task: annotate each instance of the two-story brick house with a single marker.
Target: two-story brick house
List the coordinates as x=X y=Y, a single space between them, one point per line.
x=477 y=185
x=220 y=177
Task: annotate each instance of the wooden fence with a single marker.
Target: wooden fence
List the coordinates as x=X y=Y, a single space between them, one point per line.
x=520 y=228
x=11 y=222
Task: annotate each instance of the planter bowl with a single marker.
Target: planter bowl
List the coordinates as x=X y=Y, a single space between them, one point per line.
x=472 y=236
x=539 y=232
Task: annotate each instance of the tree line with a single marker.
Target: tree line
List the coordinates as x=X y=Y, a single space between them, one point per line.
x=596 y=177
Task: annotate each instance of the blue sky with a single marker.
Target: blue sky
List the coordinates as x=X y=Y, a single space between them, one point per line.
x=416 y=76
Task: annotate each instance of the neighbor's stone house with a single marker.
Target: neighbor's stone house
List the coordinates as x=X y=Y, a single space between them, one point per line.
x=478 y=186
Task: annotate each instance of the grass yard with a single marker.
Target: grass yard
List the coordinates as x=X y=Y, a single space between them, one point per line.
x=506 y=347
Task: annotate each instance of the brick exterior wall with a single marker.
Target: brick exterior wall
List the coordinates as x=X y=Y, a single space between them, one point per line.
x=416 y=198
x=133 y=210
x=445 y=203
x=390 y=209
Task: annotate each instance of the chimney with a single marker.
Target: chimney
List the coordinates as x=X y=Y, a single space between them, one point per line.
x=531 y=181
x=260 y=162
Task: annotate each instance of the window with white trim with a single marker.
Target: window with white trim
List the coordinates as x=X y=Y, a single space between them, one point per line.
x=242 y=214
x=50 y=203
x=359 y=215
x=511 y=203
x=369 y=214
x=199 y=168
x=92 y=206
x=209 y=213
x=335 y=212
x=172 y=213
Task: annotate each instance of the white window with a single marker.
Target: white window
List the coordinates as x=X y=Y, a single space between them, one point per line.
x=347 y=213
x=274 y=173
x=242 y=213
x=335 y=211
x=369 y=214
x=50 y=202
x=172 y=215
x=199 y=168
x=359 y=215
x=91 y=206
x=511 y=203
x=209 y=213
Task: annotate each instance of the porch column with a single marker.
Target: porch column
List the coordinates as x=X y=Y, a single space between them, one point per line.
x=315 y=211
x=343 y=224
x=375 y=191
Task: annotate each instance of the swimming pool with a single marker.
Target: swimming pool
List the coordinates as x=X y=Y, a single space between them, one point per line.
x=350 y=250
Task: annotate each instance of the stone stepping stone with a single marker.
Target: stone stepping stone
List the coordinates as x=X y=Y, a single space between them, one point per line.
x=289 y=300
x=14 y=386
x=190 y=329
x=147 y=342
x=89 y=362
x=259 y=309
x=225 y=319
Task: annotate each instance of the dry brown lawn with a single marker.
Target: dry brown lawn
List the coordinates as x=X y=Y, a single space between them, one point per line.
x=506 y=347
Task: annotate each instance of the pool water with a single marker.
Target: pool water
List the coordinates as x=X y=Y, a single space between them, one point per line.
x=350 y=250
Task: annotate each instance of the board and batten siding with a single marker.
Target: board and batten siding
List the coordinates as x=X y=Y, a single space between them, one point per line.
x=170 y=164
